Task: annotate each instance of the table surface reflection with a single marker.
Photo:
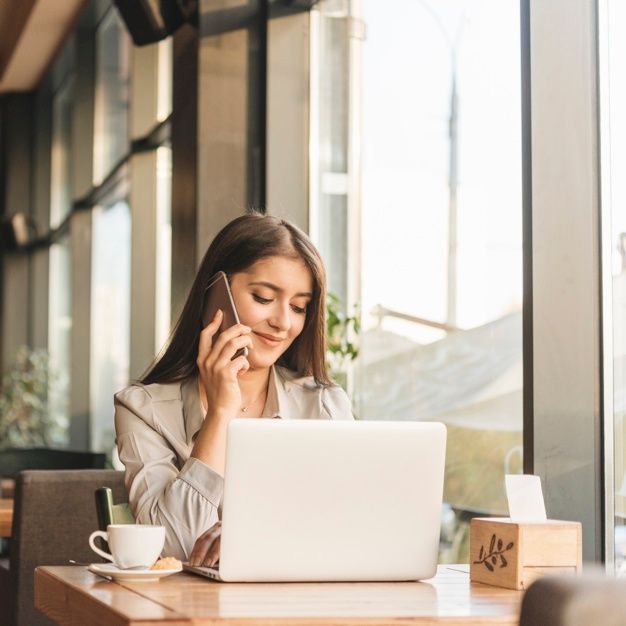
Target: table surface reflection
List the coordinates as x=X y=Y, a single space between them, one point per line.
x=69 y=595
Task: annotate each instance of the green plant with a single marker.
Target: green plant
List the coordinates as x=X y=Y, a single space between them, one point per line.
x=342 y=332
x=25 y=418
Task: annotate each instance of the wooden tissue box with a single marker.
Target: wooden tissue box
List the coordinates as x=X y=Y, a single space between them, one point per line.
x=514 y=554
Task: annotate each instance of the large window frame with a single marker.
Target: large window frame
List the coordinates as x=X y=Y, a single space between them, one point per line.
x=568 y=412
x=149 y=138
x=567 y=362
x=565 y=417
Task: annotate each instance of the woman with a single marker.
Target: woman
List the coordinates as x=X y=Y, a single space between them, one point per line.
x=171 y=427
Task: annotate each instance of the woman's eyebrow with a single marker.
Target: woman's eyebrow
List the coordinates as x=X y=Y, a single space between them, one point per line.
x=277 y=289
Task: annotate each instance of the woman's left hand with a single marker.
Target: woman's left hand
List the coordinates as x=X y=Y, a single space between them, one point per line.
x=206 y=551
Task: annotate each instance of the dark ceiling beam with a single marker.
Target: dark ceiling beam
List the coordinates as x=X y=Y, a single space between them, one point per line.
x=14 y=16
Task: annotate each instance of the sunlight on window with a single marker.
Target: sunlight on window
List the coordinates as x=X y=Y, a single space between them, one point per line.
x=110 y=316
x=440 y=225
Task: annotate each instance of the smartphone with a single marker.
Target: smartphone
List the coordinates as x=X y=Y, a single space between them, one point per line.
x=218 y=296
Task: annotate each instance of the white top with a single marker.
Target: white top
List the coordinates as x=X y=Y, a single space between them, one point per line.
x=156 y=426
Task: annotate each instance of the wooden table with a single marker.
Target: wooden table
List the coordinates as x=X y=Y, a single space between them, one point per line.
x=72 y=595
x=6 y=517
x=7 y=487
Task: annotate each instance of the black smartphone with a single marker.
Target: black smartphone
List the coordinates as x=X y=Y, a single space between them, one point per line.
x=218 y=296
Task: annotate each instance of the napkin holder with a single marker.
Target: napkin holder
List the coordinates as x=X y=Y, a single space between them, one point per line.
x=512 y=554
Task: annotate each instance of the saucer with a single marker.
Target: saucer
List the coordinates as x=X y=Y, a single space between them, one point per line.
x=108 y=570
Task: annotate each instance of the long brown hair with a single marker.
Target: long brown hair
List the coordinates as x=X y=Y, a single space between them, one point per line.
x=241 y=243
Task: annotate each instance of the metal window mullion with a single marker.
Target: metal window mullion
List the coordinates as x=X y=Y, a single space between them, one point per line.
x=80 y=239
x=80 y=343
x=142 y=201
x=566 y=265
x=142 y=171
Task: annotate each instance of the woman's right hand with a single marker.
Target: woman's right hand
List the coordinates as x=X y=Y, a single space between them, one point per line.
x=218 y=370
x=206 y=551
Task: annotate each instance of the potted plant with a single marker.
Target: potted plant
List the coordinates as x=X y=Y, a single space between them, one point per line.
x=342 y=335
x=25 y=416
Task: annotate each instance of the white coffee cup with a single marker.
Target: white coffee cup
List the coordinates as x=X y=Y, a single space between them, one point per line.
x=132 y=545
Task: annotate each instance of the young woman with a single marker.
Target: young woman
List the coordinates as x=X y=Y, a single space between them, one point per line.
x=171 y=427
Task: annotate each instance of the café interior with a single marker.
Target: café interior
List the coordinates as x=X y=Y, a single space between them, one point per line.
x=463 y=182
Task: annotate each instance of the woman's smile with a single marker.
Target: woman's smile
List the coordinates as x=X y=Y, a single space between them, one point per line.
x=269 y=340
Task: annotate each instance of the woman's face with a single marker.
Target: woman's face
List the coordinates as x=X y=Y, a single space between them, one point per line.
x=271 y=297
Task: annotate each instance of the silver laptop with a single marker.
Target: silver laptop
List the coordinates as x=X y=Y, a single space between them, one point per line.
x=316 y=500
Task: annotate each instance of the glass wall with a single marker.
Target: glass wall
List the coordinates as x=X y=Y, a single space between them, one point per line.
x=61 y=155
x=424 y=235
x=110 y=315
x=165 y=76
x=86 y=154
x=330 y=108
x=111 y=141
x=111 y=229
x=60 y=266
x=163 y=272
x=60 y=331
x=440 y=223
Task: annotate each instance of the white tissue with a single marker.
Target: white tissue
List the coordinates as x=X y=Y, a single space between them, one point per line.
x=526 y=504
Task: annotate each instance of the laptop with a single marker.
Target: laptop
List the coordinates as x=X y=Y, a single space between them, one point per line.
x=317 y=500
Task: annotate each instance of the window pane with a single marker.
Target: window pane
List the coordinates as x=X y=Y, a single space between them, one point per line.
x=164 y=246
x=165 y=77
x=110 y=316
x=60 y=331
x=60 y=268
x=112 y=94
x=61 y=156
x=331 y=183
x=440 y=223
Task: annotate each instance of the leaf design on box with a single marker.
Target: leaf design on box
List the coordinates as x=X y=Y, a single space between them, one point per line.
x=490 y=558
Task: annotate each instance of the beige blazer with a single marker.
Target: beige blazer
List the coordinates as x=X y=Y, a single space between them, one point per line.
x=155 y=429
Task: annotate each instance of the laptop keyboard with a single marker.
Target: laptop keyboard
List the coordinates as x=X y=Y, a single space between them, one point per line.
x=215 y=567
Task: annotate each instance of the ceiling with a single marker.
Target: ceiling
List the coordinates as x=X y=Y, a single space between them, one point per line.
x=31 y=33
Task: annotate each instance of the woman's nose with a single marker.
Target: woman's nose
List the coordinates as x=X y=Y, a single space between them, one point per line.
x=281 y=319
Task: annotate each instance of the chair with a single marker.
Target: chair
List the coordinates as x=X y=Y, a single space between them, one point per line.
x=53 y=518
x=569 y=601
x=109 y=513
x=14 y=460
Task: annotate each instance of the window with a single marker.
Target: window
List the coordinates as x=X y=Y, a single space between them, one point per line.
x=111 y=229
x=330 y=175
x=61 y=155
x=84 y=309
x=163 y=270
x=165 y=76
x=111 y=141
x=60 y=266
x=440 y=225
x=110 y=314
x=60 y=329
